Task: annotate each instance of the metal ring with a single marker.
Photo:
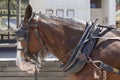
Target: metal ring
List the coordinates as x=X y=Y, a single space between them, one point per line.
x=97 y=66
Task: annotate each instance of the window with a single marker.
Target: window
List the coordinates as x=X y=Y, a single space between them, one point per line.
x=118 y=2
x=70 y=13
x=95 y=3
x=60 y=13
x=49 y=11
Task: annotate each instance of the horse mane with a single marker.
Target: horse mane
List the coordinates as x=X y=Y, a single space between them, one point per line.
x=71 y=22
x=62 y=26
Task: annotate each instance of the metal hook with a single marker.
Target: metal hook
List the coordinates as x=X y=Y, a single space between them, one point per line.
x=95 y=62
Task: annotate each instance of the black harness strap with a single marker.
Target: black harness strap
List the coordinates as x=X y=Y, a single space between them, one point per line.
x=109 y=68
x=84 y=48
x=100 y=65
x=26 y=51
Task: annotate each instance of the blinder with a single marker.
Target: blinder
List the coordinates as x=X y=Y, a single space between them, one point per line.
x=20 y=35
x=23 y=34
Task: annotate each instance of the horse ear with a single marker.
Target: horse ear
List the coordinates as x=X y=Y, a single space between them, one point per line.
x=28 y=13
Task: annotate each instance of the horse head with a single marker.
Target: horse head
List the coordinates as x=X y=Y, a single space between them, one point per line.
x=29 y=38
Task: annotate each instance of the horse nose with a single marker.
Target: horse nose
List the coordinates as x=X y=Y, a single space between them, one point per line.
x=20 y=35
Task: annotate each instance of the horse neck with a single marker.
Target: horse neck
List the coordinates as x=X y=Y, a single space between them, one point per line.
x=59 y=39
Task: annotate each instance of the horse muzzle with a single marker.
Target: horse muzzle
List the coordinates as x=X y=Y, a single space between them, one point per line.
x=20 y=35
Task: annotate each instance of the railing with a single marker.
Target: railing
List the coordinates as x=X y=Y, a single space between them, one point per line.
x=8 y=45
x=50 y=71
x=7 y=42
x=4 y=33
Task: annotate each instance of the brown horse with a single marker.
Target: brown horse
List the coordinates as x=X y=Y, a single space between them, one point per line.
x=61 y=35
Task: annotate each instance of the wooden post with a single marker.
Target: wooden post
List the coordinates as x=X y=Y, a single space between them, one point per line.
x=9 y=18
x=36 y=73
x=18 y=12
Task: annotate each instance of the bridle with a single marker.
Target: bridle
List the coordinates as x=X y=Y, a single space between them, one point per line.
x=29 y=57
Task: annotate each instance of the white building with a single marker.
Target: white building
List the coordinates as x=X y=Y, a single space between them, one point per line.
x=82 y=9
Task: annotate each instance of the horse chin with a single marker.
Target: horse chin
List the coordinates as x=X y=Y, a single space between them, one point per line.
x=22 y=64
x=26 y=66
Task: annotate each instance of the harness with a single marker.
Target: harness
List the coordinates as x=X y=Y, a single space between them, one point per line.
x=82 y=52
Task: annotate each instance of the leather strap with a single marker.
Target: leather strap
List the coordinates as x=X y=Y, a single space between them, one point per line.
x=109 y=68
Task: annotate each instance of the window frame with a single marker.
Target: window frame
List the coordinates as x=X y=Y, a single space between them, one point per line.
x=49 y=10
x=95 y=4
x=67 y=12
x=57 y=14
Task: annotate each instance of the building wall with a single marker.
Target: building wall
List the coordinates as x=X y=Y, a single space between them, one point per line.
x=109 y=10
x=81 y=9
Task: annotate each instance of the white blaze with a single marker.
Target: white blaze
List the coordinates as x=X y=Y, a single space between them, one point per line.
x=22 y=64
